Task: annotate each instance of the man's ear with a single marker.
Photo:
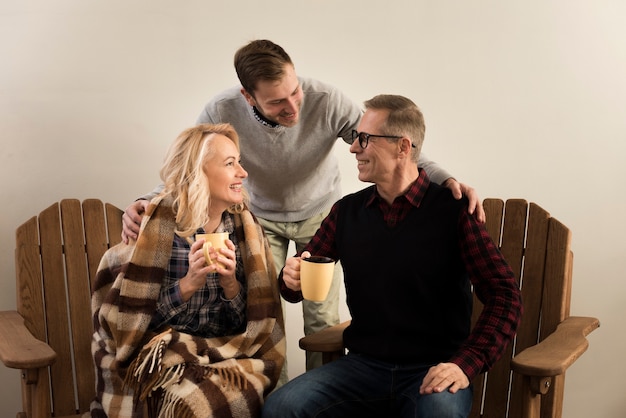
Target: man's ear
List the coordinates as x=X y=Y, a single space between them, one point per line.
x=249 y=98
x=404 y=145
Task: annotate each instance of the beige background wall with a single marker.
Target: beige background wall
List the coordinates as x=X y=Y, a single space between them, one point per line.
x=522 y=99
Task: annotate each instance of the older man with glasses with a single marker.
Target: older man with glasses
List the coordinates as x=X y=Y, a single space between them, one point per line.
x=410 y=254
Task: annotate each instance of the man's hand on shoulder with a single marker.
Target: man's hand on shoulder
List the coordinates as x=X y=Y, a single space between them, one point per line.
x=131 y=219
x=475 y=204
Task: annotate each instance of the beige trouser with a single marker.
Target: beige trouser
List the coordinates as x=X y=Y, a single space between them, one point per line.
x=316 y=315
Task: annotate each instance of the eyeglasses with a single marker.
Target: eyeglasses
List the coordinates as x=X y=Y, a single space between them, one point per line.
x=364 y=138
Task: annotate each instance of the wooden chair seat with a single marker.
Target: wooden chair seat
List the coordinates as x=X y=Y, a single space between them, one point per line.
x=48 y=336
x=528 y=380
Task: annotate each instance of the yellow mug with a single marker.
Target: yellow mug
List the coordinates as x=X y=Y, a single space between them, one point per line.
x=316 y=275
x=216 y=240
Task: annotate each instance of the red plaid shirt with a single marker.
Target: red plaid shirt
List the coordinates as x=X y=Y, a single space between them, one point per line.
x=484 y=264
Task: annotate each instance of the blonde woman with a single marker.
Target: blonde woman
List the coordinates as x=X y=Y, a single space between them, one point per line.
x=175 y=336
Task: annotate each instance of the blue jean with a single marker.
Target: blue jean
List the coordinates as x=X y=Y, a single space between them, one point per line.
x=358 y=386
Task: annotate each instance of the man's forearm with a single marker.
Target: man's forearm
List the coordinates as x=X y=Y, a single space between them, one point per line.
x=436 y=173
x=153 y=193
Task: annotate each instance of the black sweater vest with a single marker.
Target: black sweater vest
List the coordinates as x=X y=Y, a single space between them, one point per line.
x=406 y=286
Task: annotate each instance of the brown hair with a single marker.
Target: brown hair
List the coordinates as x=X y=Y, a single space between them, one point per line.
x=260 y=60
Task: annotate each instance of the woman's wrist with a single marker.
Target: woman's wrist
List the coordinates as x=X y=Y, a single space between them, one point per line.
x=232 y=289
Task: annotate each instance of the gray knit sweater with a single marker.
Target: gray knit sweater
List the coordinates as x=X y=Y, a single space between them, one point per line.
x=293 y=172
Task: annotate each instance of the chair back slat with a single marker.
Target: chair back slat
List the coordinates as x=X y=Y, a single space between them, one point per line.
x=30 y=298
x=28 y=275
x=532 y=281
x=557 y=289
x=79 y=295
x=537 y=247
x=57 y=255
x=494 y=210
x=56 y=309
x=114 y=223
x=514 y=234
x=96 y=232
x=498 y=380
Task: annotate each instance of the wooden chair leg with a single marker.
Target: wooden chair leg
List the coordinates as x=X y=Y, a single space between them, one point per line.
x=532 y=390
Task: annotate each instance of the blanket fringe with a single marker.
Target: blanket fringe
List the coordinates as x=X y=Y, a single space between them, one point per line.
x=172 y=407
x=146 y=374
x=158 y=385
x=233 y=377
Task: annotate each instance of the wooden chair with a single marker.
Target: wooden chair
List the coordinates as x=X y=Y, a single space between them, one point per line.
x=528 y=380
x=48 y=337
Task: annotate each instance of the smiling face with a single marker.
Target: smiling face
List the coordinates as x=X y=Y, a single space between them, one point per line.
x=224 y=173
x=279 y=101
x=377 y=163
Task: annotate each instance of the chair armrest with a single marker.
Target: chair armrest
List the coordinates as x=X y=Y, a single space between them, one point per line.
x=328 y=340
x=18 y=348
x=558 y=351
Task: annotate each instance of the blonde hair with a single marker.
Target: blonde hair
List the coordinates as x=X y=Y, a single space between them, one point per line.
x=184 y=177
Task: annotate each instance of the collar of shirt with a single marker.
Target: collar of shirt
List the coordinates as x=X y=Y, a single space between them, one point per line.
x=262 y=119
x=227 y=224
x=413 y=195
x=402 y=205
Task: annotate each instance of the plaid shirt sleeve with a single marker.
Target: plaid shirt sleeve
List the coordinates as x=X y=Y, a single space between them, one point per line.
x=496 y=287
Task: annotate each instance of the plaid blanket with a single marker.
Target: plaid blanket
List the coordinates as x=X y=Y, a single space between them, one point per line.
x=173 y=374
